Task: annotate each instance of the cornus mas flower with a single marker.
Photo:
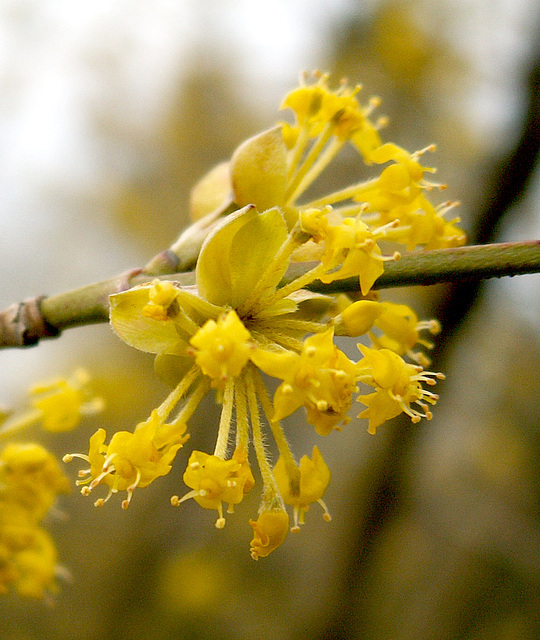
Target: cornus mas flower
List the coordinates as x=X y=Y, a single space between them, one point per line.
x=30 y=481
x=246 y=315
x=58 y=405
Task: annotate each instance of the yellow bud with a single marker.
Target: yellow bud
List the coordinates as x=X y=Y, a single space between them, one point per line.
x=269 y=531
x=358 y=318
x=211 y=192
x=259 y=170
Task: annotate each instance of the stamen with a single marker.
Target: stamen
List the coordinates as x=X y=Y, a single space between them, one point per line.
x=69 y=457
x=296 y=527
x=326 y=515
x=220 y=522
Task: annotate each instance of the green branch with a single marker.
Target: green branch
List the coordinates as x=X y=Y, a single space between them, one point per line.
x=475 y=262
x=27 y=322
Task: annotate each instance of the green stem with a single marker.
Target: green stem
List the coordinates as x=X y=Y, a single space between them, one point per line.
x=448 y=265
x=26 y=323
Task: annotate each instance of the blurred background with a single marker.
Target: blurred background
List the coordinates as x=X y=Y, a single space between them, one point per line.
x=109 y=112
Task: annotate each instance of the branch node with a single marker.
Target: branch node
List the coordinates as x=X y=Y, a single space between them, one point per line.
x=22 y=324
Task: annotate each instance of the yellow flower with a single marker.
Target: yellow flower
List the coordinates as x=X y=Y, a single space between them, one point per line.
x=317 y=107
x=269 y=531
x=58 y=404
x=28 y=561
x=314 y=476
x=161 y=298
x=222 y=347
x=321 y=378
x=247 y=313
x=62 y=402
x=398 y=323
x=397 y=385
x=130 y=460
x=31 y=477
x=35 y=567
x=215 y=481
x=349 y=244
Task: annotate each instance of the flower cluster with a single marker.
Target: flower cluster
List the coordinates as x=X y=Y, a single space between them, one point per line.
x=31 y=480
x=252 y=312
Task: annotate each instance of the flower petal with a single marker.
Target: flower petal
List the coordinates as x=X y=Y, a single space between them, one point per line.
x=259 y=170
x=226 y=272
x=139 y=331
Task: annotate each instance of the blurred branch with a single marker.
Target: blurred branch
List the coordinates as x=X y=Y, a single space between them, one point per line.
x=25 y=323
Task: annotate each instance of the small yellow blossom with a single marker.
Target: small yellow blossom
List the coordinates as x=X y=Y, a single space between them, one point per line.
x=398 y=325
x=58 y=405
x=62 y=402
x=215 y=481
x=162 y=296
x=30 y=476
x=130 y=460
x=314 y=479
x=317 y=107
x=397 y=385
x=269 y=531
x=401 y=327
x=28 y=559
x=321 y=378
x=358 y=318
x=35 y=567
x=222 y=348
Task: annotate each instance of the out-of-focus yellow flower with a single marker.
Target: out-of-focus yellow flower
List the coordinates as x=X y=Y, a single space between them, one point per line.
x=58 y=405
x=62 y=402
x=314 y=476
x=269 y=531
x=35 y=566
x=30 y=480
x=30 y=476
